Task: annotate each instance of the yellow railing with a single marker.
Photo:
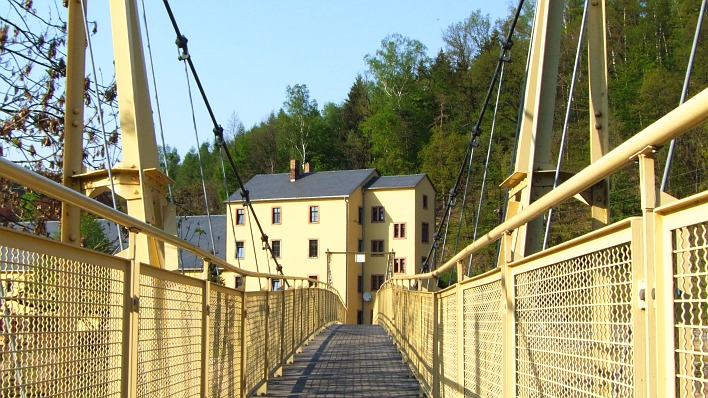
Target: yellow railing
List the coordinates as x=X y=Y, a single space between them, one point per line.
x=576 y=320
x=619 y=312
x=77 y=323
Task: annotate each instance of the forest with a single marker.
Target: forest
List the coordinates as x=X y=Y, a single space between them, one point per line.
x=410 y=113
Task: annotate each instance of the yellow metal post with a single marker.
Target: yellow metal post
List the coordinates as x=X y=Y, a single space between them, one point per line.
x=144 y=186
x=508 y=333
x=648 y=194
x=244 y=314
x=436 y=347
x=74 y=119
x=206 y=316
x=533 y=150
x=599 y=131
x=460 y=316
x=131 y=308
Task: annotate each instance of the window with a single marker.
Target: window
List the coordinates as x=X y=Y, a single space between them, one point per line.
x=359 y=317
x=425 y=201
x=376 y=281
x=313 y=248
x=361 y=215
x=275 y=246
x=425 y=233
x=359 y=283
x=314 y=214
x=399 y=230
x=240 y=216
x=360 y=246
x=312 y=283
x=276 y=284
x=399 y=265
x=239 y=281
x=240 y=252
x=377 y=247
x=377 y=214
x=276 y=215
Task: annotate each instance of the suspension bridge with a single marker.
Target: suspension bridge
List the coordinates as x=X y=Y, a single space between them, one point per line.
x=621 y=311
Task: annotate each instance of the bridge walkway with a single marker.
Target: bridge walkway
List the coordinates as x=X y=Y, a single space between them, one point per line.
x=346 y=361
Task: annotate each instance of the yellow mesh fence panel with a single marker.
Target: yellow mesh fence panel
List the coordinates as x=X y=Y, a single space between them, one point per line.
x=447 y=332
x=225 y=342
x=297 y=317
x=256 y=317
x=427 y=341
x=574 y=327
x=169 y=335
x=275 y=319
x=690 y=257
x=61 y=326
x=483 y=340
x=413 y=331
x=310 y=313
x=289 y=323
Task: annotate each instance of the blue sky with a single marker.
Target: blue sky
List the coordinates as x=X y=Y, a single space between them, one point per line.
x=247 y=52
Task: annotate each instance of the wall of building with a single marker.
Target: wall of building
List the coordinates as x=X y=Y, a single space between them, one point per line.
x=402 y=206
x=294 y=233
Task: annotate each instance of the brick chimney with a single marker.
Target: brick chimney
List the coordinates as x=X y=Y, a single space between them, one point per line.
x=309 y=168
x=294 y=170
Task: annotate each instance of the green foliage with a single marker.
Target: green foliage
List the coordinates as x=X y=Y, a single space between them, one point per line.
x=94 y=236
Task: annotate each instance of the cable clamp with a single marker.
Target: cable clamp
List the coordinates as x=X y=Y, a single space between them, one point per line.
x=181 y=43
x=219 y=136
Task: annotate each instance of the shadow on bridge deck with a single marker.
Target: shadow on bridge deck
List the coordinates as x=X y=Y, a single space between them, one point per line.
x=347 y=361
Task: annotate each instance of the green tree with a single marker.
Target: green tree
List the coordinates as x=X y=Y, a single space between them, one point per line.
x=401 y=108
x=303 y=120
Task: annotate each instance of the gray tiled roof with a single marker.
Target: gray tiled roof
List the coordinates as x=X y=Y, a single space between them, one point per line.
x=402 y=181
x=321 y=184
x=193 y=229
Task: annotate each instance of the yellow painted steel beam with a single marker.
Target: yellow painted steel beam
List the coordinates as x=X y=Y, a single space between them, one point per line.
x=599 y=109
x=138 y=135
x=74 y=119
x=692 y=113
x=534 y=147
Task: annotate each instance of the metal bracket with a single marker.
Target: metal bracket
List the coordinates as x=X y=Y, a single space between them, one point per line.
x=136 y=304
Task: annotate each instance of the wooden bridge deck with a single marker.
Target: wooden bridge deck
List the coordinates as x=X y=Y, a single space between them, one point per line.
x=347 y=361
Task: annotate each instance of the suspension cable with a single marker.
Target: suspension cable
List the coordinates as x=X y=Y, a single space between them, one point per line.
x=684 y=92
x=201 y=165
x=566 y=122
x=100 y=120
x=181 y=43
x=157 y=101
x=486 y=165
x=447 y=228
x=228 y=195
x=476 y=130
x=464 y=200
